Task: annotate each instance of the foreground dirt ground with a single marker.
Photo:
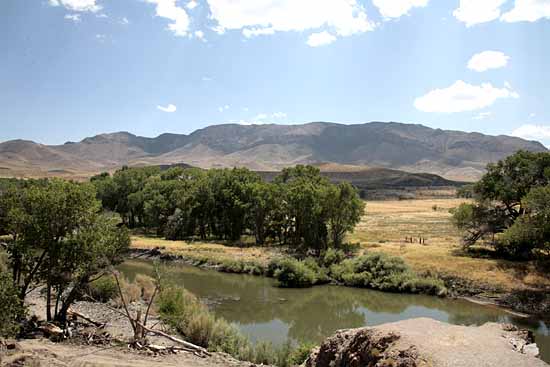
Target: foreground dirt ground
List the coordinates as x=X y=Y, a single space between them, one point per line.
x=384 y=228
x=42 y=352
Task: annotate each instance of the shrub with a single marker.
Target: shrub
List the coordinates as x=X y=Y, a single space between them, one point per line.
x=240 y=267
x=333 y=256
x=147 y=286
x=294 y=273
x=386 y=273
x=103 y=289
x=12 y=310
x=130 y=290
x=300 y=354
x=191 y=318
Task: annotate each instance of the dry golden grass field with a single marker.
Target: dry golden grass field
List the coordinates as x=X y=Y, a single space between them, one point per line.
x=384 y=228
x=387 y=223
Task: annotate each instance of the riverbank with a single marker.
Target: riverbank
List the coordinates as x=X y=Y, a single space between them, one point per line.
x=520 y=286
x=522 y=303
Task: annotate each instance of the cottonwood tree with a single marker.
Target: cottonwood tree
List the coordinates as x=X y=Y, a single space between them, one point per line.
x=344 y=209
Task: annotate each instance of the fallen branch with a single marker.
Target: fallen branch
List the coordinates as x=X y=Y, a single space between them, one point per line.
x=176 y=340
x=86 y=318
x=189 y=347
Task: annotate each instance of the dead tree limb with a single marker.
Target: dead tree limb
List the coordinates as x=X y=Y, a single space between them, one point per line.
x=86 y=318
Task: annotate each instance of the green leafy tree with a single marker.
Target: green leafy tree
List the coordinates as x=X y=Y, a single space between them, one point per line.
x=51 y=227
x=531 y=231
x=510 y=206
x=344 y=209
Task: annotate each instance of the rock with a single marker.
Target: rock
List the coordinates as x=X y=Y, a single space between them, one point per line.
x=531 y=350
x=426 y=342
x=362 y=347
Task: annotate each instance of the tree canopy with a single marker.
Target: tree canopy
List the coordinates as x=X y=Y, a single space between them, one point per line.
x=58 y=238
x=511 y=208
x=299 y=208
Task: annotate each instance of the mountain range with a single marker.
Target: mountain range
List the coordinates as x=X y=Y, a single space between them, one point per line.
x=409 y=147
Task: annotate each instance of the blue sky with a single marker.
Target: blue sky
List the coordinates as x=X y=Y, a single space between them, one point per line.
x=75 y=68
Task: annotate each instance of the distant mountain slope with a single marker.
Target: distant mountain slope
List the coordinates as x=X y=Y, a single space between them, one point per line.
x=415 y=148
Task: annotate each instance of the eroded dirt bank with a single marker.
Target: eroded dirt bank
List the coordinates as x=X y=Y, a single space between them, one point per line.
x=425 y=342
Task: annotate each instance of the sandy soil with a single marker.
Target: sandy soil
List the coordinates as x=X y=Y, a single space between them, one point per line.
x=424 y=342
x=75 y=352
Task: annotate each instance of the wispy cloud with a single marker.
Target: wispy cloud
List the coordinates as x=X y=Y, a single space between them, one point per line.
x=483 y=115
x=169 y=108
x=77 y=5
x=533 y=132
x=396 y=9
x=73 y=18
x=320 y=39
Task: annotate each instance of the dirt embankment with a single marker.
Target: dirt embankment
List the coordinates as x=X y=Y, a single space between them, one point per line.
x=105 y=346
x=425 y=342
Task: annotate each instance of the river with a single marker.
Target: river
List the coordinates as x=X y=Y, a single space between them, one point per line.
x=264 y=312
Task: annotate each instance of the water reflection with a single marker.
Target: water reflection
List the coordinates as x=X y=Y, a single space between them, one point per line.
x=268 y=313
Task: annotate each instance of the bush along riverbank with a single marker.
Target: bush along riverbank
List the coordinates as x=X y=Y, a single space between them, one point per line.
x=188 y=316
x=372 y=270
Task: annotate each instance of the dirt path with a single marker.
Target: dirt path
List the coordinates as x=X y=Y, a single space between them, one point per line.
x=42 y=352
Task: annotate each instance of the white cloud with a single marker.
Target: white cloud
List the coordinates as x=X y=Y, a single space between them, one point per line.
x=483 y=115
x=474 y=12
x=397 y=8
x=279 y=115
x=199 y=34
x=262 y=117
x=192 y=5
x=124 y=21
x=206 y=79
x=168 y=9
x=488 y=60
x=533 y=132
x=100 y=37
x=320 y=39
x=462 y=96
x=532 y=115
x=223 y=108
x=528 y=11
x=77 y=5
x=73 y=17
x=102 y=15
x=170 y=108
x=254 y=17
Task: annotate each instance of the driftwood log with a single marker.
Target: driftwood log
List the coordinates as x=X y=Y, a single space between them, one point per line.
x=186 y=346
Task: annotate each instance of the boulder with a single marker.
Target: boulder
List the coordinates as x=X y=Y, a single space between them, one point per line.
x=426 y=342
